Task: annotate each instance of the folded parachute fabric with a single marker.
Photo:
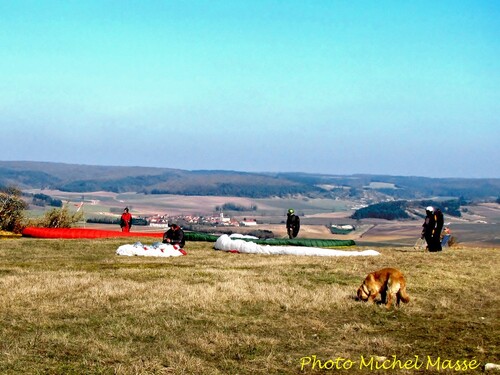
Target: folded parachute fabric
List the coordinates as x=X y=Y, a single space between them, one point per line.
x=238 y=236
x=226 y=243
x=155 y=250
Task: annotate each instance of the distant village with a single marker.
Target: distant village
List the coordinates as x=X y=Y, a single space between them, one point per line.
x=163 y=221
x=213 y=220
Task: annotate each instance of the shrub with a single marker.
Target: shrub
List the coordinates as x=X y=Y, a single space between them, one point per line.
x=452 y=241
x=58 y=218
x=12 y=210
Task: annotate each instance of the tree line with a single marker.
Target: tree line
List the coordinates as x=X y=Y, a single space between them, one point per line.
x=46 y=200
x=398 y=210
x=235 y=207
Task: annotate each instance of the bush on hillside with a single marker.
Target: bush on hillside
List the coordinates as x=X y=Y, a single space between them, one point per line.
x=12 y=210
x=58 y=218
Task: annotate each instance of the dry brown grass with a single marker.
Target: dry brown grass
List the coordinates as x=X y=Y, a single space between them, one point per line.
x=71 y=306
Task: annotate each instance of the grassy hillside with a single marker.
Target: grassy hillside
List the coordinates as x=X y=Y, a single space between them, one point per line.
x=75 y=307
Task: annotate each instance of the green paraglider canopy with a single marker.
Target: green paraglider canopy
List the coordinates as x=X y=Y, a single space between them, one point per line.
x=310 y=242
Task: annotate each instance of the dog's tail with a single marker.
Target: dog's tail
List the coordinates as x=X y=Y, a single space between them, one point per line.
x=403 y=296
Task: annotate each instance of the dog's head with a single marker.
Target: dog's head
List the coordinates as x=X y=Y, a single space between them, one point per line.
x=363 y=292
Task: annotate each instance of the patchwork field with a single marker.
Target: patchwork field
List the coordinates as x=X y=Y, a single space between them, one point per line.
x=74 y=307
x=479 y=227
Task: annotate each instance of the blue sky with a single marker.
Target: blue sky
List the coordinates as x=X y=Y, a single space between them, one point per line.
x=338 y=87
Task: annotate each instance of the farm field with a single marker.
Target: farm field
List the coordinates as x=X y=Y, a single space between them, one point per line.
x=141 y=204
x=74 y=306
x=479 y=227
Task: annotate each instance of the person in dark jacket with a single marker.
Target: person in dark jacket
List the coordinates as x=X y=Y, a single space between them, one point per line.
x=126 y=220
x=436 y=237
x=292 y=224
x=174 y=236
x=432 y=227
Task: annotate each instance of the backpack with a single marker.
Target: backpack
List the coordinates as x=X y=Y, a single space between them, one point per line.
x=438 y=215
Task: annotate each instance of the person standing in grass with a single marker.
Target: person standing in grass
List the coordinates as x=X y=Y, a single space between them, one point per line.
x=126 y=220
x=174 y=236
x=436 y=237
x=432 y=227
x=292 y=224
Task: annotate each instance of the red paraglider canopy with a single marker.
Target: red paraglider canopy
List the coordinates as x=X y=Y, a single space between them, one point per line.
x=75 y=233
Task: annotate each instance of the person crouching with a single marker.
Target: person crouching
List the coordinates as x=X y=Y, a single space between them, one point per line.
x=174 y=236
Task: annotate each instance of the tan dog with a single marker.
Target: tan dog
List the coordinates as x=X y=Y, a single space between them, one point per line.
x=386 y=282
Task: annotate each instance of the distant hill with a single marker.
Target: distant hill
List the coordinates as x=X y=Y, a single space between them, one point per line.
x=85 y=178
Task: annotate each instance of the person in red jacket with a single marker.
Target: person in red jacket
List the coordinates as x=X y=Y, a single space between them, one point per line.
x=126 y=220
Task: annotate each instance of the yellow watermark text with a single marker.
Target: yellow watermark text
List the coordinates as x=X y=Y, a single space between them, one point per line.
x=371 y=363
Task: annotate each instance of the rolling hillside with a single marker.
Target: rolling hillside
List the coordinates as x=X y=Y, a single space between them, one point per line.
x=85 y=178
